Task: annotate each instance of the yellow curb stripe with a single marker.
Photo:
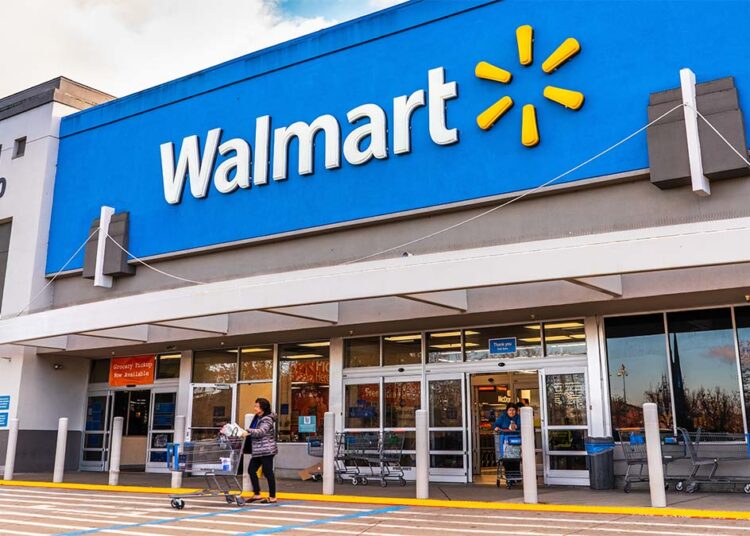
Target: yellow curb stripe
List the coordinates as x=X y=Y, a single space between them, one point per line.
x=435 y=503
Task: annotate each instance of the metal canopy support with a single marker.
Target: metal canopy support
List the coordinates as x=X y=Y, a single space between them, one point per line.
x=456 y=300
x=323 y=312
x=699 y=181
x=101 y=280
x=608 y=284
x=130 y=333
x=209 y=324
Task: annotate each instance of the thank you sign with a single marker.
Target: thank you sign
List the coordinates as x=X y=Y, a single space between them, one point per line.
x=503 y=346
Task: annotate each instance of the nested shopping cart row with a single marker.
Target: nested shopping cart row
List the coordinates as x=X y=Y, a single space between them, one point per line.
x=364 y=456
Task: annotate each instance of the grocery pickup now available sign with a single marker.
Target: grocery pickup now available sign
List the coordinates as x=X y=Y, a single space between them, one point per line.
x=124 y=371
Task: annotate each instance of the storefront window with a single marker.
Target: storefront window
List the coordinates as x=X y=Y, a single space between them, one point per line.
x=168 y=366
x=527 y=339
x=99 y=371
x=402 y=400
x=303 y=389
x=402 y=349
x=256 y=363
x=363 y=352
x=211 y=409
x=362 y=404
x=247 y=394
x=215 y=366
x=743 y=333
x=565 y=338
x=444 y=347
x=704 y=371
x=638 y=369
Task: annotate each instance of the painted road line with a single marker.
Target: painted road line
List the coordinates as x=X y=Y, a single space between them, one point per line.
x=575 y=520
x=8 y=531
x=318 y=522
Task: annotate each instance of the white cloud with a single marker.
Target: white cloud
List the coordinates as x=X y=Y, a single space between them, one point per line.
x=122 y=46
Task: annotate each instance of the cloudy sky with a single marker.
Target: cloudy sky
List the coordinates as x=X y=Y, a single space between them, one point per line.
x=122 y=46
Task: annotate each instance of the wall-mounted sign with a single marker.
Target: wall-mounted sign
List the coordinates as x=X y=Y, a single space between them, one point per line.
x=3 y=420
x=125 y=371
x=307 y=424
x=503 y=346
x=4 y=402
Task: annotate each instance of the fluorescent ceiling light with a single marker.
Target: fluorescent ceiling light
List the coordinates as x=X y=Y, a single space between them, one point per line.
x=403 y=338
x=531 y=339
x=256 y=350
x=446 y=334
x=315 y=344
x=564 y=325
x=170 y=356
x=302 y=356
x=446 y=345
x=578 y=336
x=557 y=338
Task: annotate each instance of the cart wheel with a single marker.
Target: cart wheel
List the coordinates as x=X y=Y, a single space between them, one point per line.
x=692 y=487
x=627 y=487
x=240 y=501
x=229 y=498
x=383 y=483
x=666 y=485
x=355 y=481
x=746 y=489
x=680 y=486
x=317 y=478
x=339 y=480
x=178 y=504
x=364 y=481
x=402 y=482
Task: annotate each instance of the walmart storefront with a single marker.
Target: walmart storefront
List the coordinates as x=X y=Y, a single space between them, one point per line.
x=450 y=206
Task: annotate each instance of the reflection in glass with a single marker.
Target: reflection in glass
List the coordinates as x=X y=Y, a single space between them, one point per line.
x=168 y=366
x=446 y=441
x=446 y=409
x=164 y=410
x=362 y=403
x=247 y=394
x=704 y=371
x=402 y=400
x=402 y=349
x=447 y=461
x=256 y=363
x=566 y=399
x=565 y=338
x=743 y=333
x=528 y=341
x=215 y=366
x=303 y=387
x=212 y=409
x=638 y=369
x=566 y=440
x=362 y=352
x=444 y=347
x=567 y=463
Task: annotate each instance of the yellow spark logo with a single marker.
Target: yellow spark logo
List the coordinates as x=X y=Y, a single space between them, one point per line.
x=570 y=99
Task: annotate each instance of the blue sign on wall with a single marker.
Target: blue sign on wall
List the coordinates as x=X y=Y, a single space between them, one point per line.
x=4 y=402
x=3 y=420
x=307 y=424
x=113 y=154
x=503 y=346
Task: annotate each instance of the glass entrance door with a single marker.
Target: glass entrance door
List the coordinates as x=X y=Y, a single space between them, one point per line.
x=564 y=425
x=96 y=433
x=447 y=428
x=161 y=430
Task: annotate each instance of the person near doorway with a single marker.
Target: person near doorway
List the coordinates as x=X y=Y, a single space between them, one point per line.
x=263 y=448
x=510 y=421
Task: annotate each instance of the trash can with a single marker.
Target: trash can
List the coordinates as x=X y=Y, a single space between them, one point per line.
x=601 y=462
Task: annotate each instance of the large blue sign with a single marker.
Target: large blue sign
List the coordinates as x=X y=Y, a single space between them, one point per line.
x=3 y=419
x=4 y=402
x=503 y=346
x=386 y=114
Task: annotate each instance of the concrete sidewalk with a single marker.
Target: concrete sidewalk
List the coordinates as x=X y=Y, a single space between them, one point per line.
x=561 y=495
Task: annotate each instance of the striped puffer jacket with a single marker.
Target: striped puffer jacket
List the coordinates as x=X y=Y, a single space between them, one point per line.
x=262 y=434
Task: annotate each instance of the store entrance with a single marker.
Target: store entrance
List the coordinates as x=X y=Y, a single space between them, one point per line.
x=490 y=396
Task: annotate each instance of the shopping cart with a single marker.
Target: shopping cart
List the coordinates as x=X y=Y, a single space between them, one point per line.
x=712 y=450
x=353 y=451
x=217 y=459
x=508 y=455
x=633 y=442
x=390 y=451
x=315 y=450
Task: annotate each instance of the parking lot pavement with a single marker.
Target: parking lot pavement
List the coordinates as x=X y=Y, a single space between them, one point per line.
x=26 y=511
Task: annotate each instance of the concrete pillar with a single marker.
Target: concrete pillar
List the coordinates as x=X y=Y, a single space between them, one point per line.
x=423 y=455
x=528 y=456
x=62 y=440
x=653 y=455
x=115 y=450
x=246 y=484
x=10 y=453
x=329 y=451
x=179 y=439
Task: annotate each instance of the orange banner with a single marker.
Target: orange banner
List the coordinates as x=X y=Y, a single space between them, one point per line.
x=124 y=371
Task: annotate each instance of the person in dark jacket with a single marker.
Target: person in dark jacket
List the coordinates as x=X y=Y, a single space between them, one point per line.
x=262 y=437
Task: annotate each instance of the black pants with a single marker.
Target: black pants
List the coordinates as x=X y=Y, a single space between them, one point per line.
x=266 y=462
